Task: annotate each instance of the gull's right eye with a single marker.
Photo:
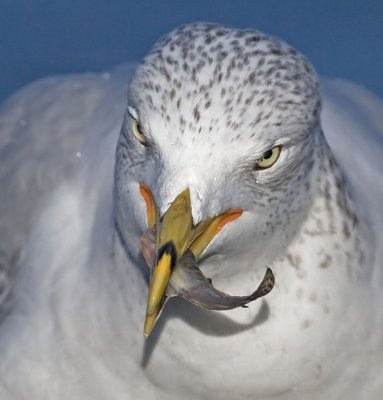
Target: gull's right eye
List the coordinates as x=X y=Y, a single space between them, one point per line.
x=138 y=132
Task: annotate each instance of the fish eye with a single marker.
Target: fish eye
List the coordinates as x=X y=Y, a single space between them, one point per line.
x=269 y=158
x=138 y=132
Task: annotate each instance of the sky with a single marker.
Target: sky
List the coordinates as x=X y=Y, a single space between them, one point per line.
x=342 y=38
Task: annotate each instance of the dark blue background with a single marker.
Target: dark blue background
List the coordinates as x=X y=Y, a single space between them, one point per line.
x=44 y=37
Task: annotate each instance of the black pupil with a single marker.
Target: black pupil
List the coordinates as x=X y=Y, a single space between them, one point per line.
x=267 y=154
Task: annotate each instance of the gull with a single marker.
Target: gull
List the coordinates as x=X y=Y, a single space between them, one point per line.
x=233 y=118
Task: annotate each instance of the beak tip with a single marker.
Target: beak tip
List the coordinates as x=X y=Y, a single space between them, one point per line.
x=149 y=325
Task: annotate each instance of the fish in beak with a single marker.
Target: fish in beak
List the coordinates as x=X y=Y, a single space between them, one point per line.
x=189 y=282
x=172 y=246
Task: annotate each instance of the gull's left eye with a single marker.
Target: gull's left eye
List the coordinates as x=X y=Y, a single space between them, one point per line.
x=138 y=132
x=269 y=158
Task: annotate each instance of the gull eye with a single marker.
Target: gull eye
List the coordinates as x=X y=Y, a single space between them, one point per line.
x=269 y=158
x=138 y=132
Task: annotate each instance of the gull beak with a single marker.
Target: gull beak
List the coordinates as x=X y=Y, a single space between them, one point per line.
x=175 y=233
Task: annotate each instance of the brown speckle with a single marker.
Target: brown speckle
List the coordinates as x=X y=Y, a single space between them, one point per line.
x=346 y=231
x=326 y=262
x=196 y=114
x=306 y=324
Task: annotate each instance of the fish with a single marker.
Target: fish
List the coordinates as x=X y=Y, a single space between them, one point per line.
x=188 y=281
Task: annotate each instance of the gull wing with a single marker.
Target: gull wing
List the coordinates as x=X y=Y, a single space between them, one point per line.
x=44 y=130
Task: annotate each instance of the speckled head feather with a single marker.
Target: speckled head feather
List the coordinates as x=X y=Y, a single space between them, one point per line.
x=203 y=66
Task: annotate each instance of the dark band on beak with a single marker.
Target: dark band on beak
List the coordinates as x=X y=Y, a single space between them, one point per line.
x=170 y=249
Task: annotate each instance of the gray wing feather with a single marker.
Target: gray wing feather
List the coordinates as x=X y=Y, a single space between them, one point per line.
x=43 y=128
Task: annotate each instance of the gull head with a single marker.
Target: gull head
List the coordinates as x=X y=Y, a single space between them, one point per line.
x=230 y=117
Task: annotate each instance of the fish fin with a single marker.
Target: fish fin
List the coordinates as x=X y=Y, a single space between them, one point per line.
x=266 y=285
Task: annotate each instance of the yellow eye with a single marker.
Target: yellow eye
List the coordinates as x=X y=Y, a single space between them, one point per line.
x=138 y=133
x=269 y=158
